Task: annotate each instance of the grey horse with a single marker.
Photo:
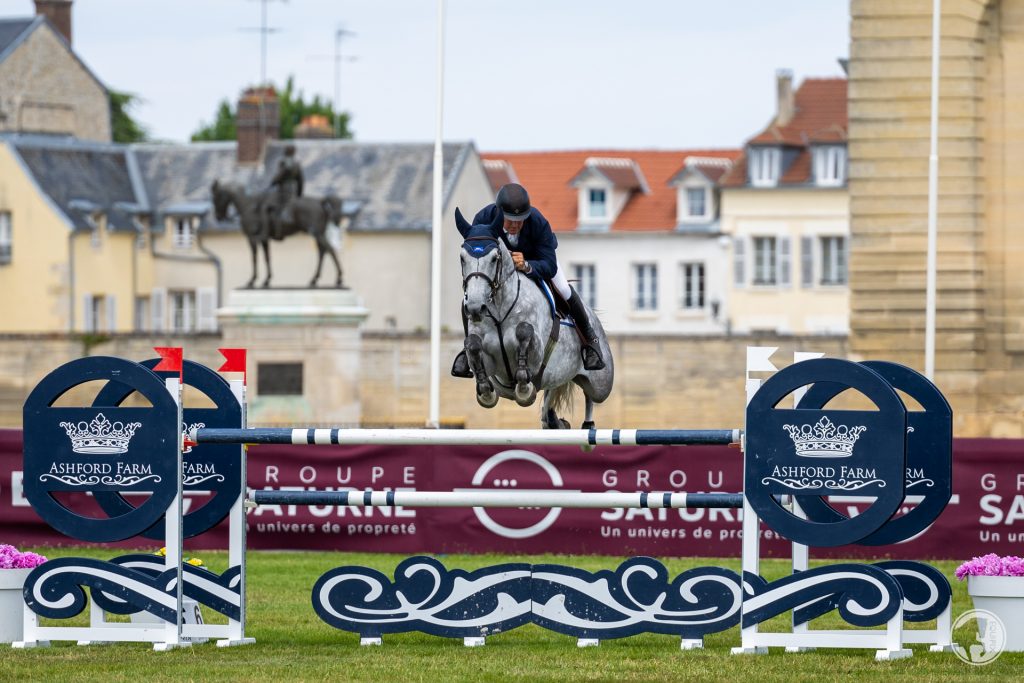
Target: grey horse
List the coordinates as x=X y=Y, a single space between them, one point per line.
x=509 y=341
x=309 y=215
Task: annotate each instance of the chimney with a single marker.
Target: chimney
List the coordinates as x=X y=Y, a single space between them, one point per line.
x=258 y=119
x=786 y=103
x=59 y=14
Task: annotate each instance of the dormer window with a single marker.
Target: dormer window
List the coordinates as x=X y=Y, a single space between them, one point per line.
x=184 y=232
x=829 y=165
x=696 y=202
x=597 y=203
x=765 y=164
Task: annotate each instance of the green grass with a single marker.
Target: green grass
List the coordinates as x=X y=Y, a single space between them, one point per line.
x=292 y=644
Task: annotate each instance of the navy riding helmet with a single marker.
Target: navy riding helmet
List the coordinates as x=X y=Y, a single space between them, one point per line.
x=514 y=202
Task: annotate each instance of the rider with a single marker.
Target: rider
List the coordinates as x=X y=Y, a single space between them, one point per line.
x=288 y=182
x=529 y=238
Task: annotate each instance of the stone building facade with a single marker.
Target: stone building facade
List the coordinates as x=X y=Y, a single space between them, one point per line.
x=979 y=356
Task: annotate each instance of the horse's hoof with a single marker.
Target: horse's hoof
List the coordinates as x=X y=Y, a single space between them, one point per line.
x=487 y=400
x=587 y=424
x=563 y=423
x=525 y=394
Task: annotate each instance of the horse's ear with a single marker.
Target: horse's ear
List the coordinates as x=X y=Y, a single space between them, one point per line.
x=498 y=223
x=461 y=223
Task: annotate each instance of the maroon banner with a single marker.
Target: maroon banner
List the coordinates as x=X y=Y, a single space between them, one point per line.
x=986 y=513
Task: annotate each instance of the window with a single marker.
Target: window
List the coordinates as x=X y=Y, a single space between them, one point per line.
x=765 y=271
x=183 y=233
x=692 y=286
x=93 y=313
x=830 y=165
x=586 y=282
x=143 y=316
x=833 y=260
x=645 y=277
x=183 y=311
x=696 y=201
x=765 y=166
x=6 y=238
x=597 y=204
x=279 y=379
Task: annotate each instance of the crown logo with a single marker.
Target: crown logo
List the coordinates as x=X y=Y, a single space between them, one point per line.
x=824 y=439
x=101 y=435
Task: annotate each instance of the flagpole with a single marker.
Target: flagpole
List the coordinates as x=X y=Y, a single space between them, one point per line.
x=433 y=419
x=933 y=202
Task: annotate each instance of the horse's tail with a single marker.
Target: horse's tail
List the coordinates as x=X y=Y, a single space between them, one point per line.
x=562 y=398
x=332 y=209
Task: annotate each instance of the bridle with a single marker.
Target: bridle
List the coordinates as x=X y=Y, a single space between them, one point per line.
x=495 y=283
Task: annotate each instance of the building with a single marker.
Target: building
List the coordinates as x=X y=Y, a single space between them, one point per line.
x=103 y=238
x=638 y=231
x=785 y=206
x=979 y=313
x=44 y=86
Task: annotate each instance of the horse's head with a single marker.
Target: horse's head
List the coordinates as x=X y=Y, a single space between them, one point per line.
x=222 y=200
x=332 y=205
x=486 y=263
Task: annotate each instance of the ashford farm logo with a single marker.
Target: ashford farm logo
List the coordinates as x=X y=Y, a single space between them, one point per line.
x=101 y=436
x=824 y=439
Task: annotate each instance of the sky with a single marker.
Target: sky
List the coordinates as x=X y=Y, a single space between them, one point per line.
x=523 y=75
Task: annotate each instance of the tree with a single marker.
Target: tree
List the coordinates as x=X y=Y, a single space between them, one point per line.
x=293 y=108
x=222 y=128
x=123 y=127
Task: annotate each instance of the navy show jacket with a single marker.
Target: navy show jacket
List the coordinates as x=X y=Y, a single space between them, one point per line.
x=536 y=241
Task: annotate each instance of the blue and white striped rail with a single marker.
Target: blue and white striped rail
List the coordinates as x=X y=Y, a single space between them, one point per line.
x=501 y=499
x=479 y=437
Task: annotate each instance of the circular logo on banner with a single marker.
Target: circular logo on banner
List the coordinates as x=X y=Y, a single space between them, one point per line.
x=929 y=474
x=485 y=475
x=91 y=450
x=989 y=641
x=206 y=468
x=825 y=452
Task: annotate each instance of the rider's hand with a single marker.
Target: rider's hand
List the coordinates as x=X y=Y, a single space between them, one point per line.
x=517 y=258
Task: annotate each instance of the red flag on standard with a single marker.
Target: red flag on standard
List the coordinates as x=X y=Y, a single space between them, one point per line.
x=170 y=359
x=234 y=360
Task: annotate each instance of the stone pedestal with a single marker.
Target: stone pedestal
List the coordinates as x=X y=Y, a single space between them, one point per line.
x=312 y=334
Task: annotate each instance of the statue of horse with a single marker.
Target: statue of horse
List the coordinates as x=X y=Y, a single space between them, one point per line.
x=514 y=343
x=308 y=215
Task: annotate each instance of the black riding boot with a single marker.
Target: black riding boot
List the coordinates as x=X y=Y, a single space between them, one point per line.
x=592 y=345
x=460 y=368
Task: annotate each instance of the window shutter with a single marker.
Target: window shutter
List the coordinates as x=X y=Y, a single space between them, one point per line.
x=157 y=306
x=784 y=279
x=806 y=262
x=738 y=262
x=207 y=308
x=111 y=313
x=88 y=323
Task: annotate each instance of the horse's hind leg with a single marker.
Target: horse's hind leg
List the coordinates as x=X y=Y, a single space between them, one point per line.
x=548 y=417
x=526 y=392
x=253 y=248
x=486 y=396
x=266 y=258
x=337 y=264
x=321 y=247
x=588 y=417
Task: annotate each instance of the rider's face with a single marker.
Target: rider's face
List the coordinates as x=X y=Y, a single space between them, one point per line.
x=513 y=227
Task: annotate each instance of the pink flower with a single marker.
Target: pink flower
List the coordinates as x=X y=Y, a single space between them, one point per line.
x=991 y=565
x=11 y=558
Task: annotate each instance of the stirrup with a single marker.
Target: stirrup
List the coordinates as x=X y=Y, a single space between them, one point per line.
x=460 y=368
x=592 y=358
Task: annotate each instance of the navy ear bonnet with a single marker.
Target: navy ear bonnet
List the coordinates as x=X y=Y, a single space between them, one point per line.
x=480 y=241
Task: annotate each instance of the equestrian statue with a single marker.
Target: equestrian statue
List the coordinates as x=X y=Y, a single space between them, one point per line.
x=279 y=212
x=523 y=333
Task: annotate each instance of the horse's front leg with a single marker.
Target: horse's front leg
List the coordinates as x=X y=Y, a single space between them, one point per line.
x=320 y=248
x=526 y=392
x=266 y=259
x=486 y=396
x=253 y=248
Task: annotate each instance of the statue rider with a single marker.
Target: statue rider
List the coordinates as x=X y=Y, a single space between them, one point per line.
x=529 y=238
x=288 y=184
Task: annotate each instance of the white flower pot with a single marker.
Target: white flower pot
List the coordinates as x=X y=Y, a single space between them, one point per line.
x=1003 y=596
x=12 y=603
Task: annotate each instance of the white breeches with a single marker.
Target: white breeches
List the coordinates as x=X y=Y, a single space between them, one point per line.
x=561 y=284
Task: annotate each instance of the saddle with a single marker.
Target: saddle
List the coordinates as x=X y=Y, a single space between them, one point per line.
x=558 y=306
